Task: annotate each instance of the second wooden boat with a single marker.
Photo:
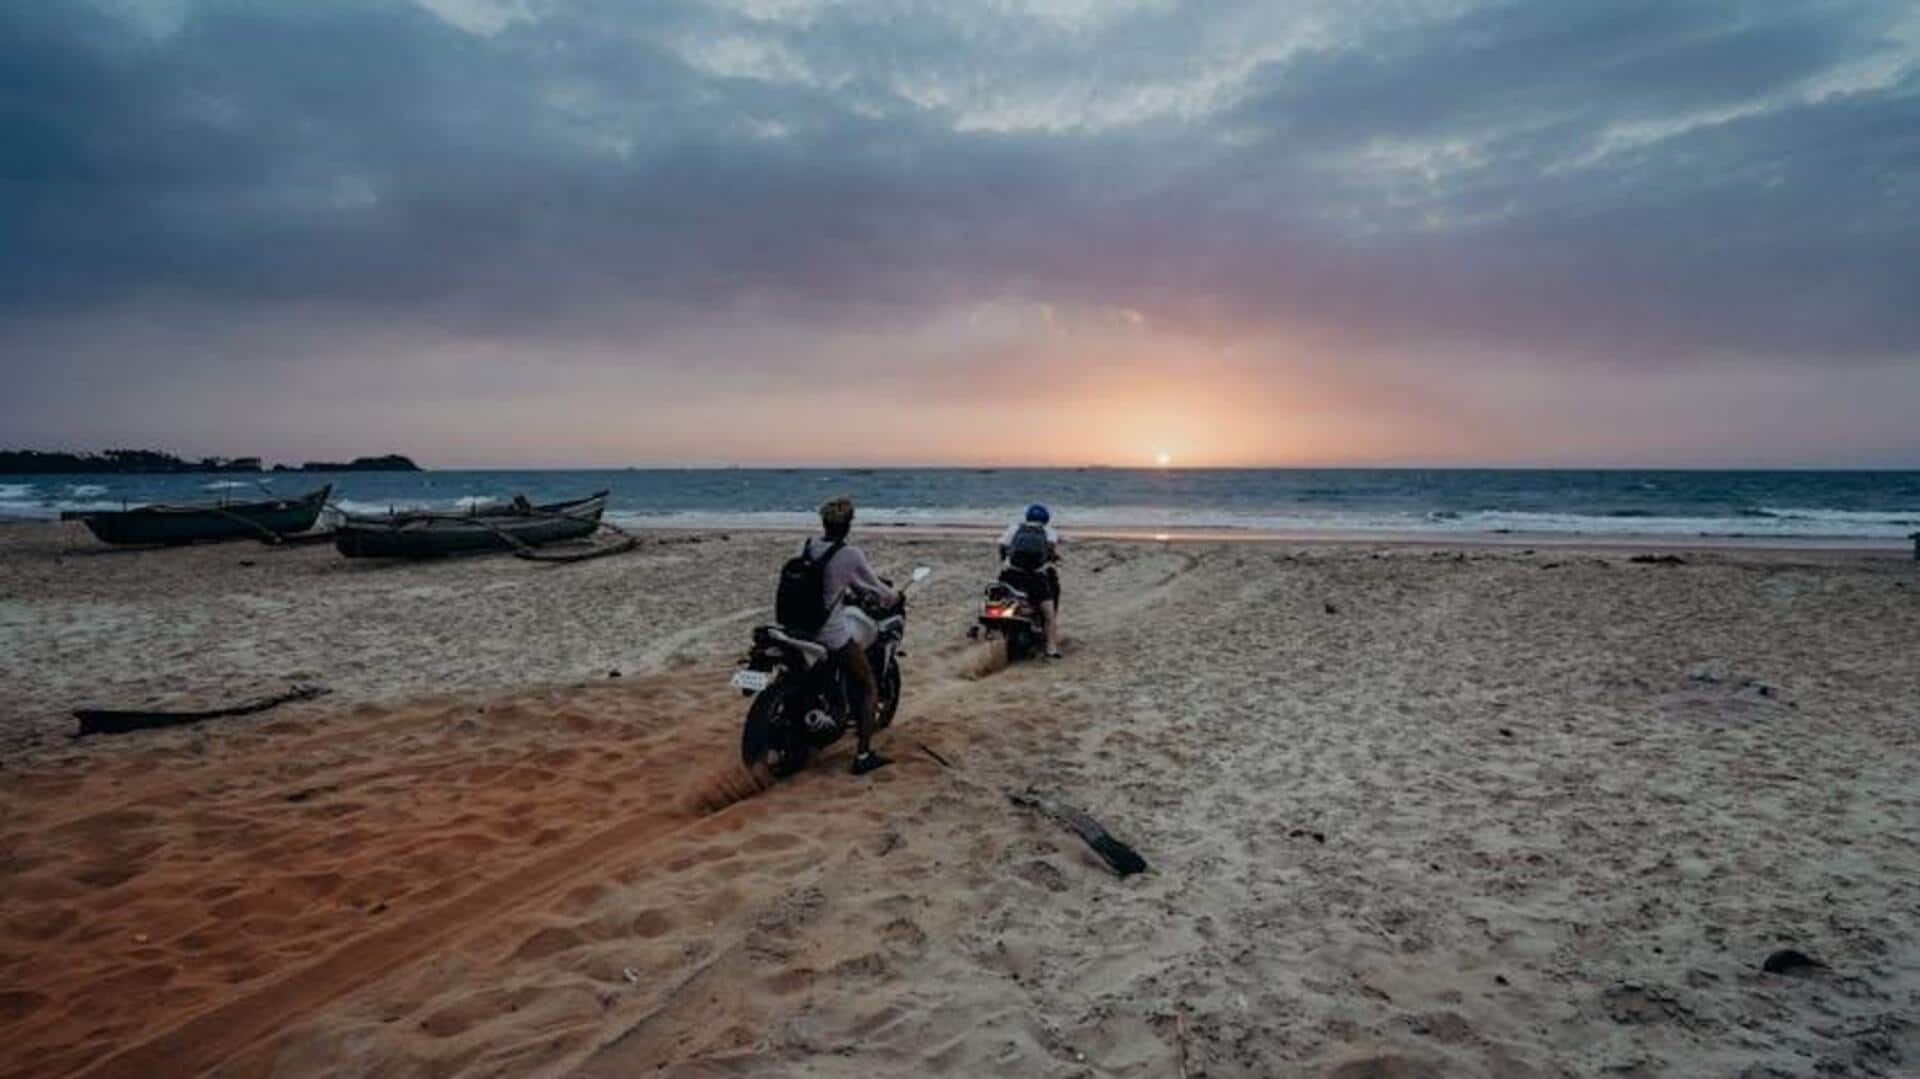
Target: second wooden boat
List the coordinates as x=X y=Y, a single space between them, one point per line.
x=496 y=528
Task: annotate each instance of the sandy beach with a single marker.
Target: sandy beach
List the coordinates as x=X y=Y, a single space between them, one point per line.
x=1410 y=810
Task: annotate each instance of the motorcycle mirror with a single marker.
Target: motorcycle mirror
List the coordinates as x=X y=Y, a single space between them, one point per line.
x=921 y=573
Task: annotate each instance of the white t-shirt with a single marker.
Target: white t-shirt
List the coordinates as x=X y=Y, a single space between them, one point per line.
x=848 y=572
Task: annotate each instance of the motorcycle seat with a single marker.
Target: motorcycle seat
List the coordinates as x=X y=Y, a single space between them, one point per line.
x=1002 y=591
x=811 y=651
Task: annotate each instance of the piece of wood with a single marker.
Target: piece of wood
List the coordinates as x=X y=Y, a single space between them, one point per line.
x=1122 y=859
x=929 y=751
x=107 y=721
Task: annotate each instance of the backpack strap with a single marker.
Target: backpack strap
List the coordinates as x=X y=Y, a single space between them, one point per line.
x=832 y=549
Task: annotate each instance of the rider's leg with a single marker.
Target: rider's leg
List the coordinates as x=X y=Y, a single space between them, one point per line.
x=1052 y=610
x=860 y=674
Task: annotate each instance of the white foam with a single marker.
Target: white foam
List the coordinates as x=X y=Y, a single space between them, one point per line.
x=1810 y=525
x=85 y=490
x=1908 y=519
x=1824 y=526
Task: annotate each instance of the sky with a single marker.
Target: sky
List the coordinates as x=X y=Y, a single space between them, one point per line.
x=1061 y=232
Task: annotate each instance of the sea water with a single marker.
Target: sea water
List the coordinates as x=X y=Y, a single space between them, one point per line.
x=1883 y=507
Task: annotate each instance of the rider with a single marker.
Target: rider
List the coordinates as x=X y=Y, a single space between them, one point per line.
x=848 y=631
x=1029 y=561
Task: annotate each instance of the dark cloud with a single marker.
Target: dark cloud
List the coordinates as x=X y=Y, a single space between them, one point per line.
x=1657 y=184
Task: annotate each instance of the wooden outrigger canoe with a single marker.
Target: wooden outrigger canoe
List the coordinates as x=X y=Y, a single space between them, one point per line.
x=193 y=522
x=495 y=528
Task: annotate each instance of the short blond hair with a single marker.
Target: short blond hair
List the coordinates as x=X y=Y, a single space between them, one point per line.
x=836 y=514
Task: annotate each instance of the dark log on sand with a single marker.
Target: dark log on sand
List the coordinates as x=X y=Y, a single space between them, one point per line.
x=1122 y=859
x=102 y=721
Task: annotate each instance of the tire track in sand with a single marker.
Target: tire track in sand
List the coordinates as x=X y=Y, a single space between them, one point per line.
x=223 y=1031
x=205 y=1040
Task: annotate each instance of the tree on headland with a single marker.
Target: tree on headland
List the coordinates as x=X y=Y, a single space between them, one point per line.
x=37 y=462
x=123 y=461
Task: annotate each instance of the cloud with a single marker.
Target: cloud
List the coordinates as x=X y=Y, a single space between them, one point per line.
x=1638 y=186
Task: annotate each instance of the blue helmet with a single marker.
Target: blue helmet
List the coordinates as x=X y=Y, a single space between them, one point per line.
x=1038 y=514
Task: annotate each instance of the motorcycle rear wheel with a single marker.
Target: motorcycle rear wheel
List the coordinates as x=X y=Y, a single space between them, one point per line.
x=1019 y=644
x=768 y=739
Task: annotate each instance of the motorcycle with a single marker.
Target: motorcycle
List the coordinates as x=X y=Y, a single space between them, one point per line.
x=803 y=702
x=1007 y=613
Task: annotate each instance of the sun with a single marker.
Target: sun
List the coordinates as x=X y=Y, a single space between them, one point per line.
x=1162 y=458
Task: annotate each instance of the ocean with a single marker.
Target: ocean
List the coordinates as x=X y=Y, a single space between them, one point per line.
x=1883 y=507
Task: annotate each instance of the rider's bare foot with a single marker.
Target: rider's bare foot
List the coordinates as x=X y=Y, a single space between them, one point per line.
x=867 y=762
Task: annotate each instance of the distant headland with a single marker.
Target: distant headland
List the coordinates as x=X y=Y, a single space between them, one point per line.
x=38 y=463
x=391 y=462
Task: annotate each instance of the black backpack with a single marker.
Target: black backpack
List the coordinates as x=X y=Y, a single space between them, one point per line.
x=800 y=603
x=1028 y=551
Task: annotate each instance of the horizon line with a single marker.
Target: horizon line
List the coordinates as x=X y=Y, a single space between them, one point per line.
x=855 y=467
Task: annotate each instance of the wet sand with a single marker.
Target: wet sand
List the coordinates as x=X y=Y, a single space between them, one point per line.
x=1410 y=811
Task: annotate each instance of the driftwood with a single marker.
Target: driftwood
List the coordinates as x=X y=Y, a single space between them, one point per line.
x=1122 y=859
x=103 y=721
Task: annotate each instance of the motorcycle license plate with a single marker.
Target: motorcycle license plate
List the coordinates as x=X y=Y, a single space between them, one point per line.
x=751 y=681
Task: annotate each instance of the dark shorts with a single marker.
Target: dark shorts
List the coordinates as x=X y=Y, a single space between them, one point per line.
x=1039 y=587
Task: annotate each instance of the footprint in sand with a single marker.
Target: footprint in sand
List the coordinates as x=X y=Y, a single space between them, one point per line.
x=652 y=923
x=552 y=940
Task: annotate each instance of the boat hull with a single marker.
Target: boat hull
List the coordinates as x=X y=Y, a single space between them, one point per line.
x=436 y=536
x=151 y=526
